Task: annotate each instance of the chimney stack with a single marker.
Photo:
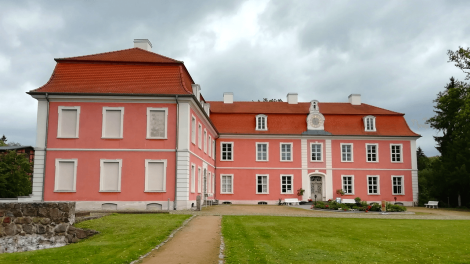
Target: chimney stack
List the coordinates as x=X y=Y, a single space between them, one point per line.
x=292 y=98
x=228 y=98
x=143 y=44
x=355 y=99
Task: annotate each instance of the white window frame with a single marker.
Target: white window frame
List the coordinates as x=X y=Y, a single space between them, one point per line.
x=199 y=180
x=59 y=125
x=321 y=151
x=352 y=151
x=209 y=146
x=193 y=129
x=193 y=178
x=221 y=151
x=56 y=180
x=147 y=161
x=267 y=183
x=402 y=184
x=213 y=149
x=209 y=182
x=103 y=128
x=373 y=123
x=291 y=151
x=401 y=153
x=101 y=174
x=292 y=183
x=376 y=152
x=199 y=135
x=265 y=117
x=164 y=109
x=378 y=184
x=222 y=183
x=352 y=184
x=205 y=141
x=267 y=151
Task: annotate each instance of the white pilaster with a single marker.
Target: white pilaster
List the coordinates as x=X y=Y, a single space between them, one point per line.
x=305 y=179
x=329 y=172
x=414 y=170
x=182 y=157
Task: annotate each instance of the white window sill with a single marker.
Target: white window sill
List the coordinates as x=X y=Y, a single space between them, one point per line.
x=111 y=137
x=226 y=160
x=372 y=161
x=288 y=193
x=262 y=160
x=397 y=161
x=156 y=138
x=316 y=160
x=373 y=194
x=67 y=137
x=108 y=191
x=287 y=161
x=347 y=161
x=262 y=193
x=154 y=191
x=226 y=193
x=59 y=191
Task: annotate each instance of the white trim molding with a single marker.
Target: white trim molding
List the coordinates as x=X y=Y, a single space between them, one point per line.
x=199 y=135
x=161 y=109
x=264 y=122
x=222 y=151
x=291 y=151
x=401 y=153
x=267 y=151
x=59 y=123
x=369 y=123
x=147 y=161
x=321 y=151
x=376 y=152
x=352 y=184
x=103 y=128
x=102 y=161
x=222 y=184
x=352 y=151
x=56 y=180
x=378 y=184
x=193 y=129
x=267 y=183
x=291 y=183
x=402 y=184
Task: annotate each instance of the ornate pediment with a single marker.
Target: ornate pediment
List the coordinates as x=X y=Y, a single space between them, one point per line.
x=315 y=120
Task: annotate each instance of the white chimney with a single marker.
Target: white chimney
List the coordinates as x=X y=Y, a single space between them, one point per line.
x=292 y=98
x=355 y=99
x=228 y=98
x=143 y=44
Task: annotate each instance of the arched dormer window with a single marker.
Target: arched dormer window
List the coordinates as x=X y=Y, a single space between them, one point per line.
x=369 y=123
x=261 y=122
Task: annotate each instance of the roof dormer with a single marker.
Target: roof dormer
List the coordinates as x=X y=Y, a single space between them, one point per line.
x=369 y=123
x=262 y=122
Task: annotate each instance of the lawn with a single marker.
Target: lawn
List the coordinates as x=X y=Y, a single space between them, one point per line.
x=122 y=239
x=273 y=239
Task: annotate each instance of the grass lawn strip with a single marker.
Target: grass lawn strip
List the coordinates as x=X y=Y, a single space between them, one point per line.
x=274 y=239
x=122 y=239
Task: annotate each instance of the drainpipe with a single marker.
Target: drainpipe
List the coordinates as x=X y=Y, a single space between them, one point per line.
x=176 y=152
x=45 y=149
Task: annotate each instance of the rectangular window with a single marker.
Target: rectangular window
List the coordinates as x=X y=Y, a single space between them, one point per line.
x=209 y=185
x=110 y=176
x=65 y=175
x=69 y=117
x=205 y=141
x=347 y=152
x=157 y=123
x=193 y=178
x=286 y=151
x=396 y=153
x=372 y=152
x=348 y=184
x=316 y=150
x=397 y=185
x=155 y=175
x=261 y=122
x=373 y=185
x=199 y=180
x=213 y=149
x=213 y=183
x=262 y=185
x=261 y=151
x=193 y=130
x=112 y=122
x=209 y=148
x=199 y=136
x=227 y=151
x=286 y=184
x=226 y=183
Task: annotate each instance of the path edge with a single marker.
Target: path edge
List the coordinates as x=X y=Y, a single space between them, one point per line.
x=222 y=245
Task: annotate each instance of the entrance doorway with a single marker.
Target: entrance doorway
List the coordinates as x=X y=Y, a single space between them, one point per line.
x=316 y=187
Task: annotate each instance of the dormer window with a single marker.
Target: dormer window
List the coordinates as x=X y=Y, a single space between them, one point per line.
x=261 y=122
x=369 y=123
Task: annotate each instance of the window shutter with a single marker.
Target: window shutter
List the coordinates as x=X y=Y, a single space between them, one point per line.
x=66 y=172
x=113 y=123
x=68 y=126
x=110 y=176
x=155 y=177
x=157 y=123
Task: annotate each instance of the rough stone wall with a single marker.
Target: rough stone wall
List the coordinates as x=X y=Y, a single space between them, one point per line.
x=32 y=226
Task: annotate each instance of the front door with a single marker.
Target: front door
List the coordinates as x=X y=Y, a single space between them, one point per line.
x=316 y=187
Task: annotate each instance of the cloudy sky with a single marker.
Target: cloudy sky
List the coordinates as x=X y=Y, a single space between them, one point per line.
x=391 y=52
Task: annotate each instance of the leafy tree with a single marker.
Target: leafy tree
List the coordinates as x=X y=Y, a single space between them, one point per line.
x=15 y=174
x=3 y=141
x=270 y=100
x=461 y=58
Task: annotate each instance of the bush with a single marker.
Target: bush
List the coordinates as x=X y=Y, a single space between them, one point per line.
x=357 y=199
x=395 y=208
x=15 y=174
x=376 y=207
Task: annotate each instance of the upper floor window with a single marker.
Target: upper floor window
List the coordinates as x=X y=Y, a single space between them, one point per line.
x=112 y=122
x=316 y=151
x=395 y=154
x=286 y=151
x=205 y=141
x=209 y=148
x=226 y=152
x=199 y=136
x=347 y=152
x=213 y=149
x=261 y=122
x=369 y=123
x=156 y=122
x=69 y=117
x=372 y=150
x=261 y=151
x=193 y=130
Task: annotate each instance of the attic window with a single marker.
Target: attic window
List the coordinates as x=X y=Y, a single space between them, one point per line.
x=369 y=123
x=261 y=122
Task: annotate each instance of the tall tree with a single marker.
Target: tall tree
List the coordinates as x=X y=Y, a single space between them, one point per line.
x=3 y=141
x=15 y=174
x=461 y=59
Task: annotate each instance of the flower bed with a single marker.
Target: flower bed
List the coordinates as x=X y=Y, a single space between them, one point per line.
x=358 y=206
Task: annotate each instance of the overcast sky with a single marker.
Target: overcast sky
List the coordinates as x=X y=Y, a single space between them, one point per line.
x=393 y=53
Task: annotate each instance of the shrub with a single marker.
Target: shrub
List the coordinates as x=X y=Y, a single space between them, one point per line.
x=357 y=199
x=395 y=208
x=364 y=203
x=375 y=207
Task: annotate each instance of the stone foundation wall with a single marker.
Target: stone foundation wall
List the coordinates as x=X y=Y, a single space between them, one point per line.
x=32 y=226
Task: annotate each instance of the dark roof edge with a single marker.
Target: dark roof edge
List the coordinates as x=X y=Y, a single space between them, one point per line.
x=332 y=135
x=111 y=94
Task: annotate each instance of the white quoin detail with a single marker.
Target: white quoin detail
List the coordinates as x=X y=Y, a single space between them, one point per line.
x=143 y=44
x=228 y=98
x=355 y=99
x=292 y=98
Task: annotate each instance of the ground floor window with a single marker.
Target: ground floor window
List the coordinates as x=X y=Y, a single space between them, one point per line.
x=110 y=176
x=262 y=184
x=397 y=185
x=286 y=184
x=348 y=186
x=373 y=184
x=227 y=184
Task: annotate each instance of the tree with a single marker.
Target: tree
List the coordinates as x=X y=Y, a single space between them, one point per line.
x=15 y=174
x=461 y=58
x=3 y=141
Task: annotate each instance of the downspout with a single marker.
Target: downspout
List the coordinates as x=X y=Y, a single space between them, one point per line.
x=45 y=149
x=176 y=152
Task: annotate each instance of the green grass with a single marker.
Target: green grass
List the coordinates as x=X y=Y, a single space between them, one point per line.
x=272 y=239
x=122 y=239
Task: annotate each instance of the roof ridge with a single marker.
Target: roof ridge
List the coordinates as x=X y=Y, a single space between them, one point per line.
x=385 y=109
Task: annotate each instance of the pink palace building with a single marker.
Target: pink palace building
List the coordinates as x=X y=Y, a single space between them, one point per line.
x=130 y=129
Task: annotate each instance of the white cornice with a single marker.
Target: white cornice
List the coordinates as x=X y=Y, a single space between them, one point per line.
x=264 y=136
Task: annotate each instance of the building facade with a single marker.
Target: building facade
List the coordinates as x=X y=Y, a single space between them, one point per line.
x=130 y=129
